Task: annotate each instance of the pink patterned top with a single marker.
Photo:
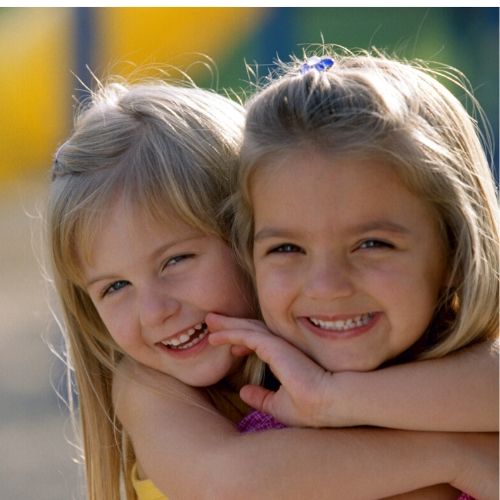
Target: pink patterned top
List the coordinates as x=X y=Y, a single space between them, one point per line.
x=257 y=421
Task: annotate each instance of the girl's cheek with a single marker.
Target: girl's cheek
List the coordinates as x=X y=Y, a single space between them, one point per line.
x=276 y=280
x=273 y=291
x=118 y=323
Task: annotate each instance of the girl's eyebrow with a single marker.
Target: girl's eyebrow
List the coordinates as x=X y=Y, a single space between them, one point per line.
x=272 y=232
x=154 y=254
x=365 y=227
x=381 y=225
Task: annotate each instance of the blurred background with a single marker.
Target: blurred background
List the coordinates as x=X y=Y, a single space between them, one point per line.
x=47 y=57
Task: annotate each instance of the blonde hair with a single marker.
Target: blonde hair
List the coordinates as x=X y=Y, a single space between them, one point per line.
x=371 y=104
x=164 y=148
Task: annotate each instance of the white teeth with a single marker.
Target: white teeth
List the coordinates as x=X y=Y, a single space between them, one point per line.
x=341 y=325
x=184 y=341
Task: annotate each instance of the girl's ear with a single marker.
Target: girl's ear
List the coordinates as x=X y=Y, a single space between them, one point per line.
x=449 y=290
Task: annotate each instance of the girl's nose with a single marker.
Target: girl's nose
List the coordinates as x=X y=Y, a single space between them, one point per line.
x=156 y=306
x=329 y=278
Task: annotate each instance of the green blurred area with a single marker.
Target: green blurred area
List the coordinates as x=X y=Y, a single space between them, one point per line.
x=466 y=38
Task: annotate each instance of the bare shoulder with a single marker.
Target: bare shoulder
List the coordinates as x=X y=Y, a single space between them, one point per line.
x=137 y=388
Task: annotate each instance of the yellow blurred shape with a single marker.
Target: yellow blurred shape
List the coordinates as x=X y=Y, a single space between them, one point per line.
x=35 y=86
x=37 y=47
x=171 y=35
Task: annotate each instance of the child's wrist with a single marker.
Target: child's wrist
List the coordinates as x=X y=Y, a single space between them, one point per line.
x=338 y=406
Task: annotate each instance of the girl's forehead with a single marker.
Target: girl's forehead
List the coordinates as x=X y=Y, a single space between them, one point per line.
x=129 y=221
x=414 y=179
x=128 y=207
x=311 y=156
x=316 y=176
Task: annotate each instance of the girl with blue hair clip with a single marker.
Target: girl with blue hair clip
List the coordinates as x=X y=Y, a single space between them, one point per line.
x=366 y=212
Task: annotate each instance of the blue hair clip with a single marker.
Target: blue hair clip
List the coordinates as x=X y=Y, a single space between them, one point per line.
x=317 y=63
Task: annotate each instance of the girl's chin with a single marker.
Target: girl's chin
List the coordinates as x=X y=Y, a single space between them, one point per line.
x=209 y=377
x=357 y=365
x=203 y=382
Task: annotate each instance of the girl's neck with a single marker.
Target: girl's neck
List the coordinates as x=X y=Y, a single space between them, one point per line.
x=225 y=397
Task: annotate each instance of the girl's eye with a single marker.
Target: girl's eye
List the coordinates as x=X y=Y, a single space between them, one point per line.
x=367 y=244
x=285 y=248
x=114 y=287
x=172 y=261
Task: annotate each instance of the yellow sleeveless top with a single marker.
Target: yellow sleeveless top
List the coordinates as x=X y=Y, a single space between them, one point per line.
x=145 y=488
x=223 y=397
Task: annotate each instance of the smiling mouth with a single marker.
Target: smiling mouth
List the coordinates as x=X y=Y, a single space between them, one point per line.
x=343 y=325
x=187 y=339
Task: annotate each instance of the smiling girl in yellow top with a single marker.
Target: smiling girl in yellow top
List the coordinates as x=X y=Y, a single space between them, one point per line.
x=139 y=245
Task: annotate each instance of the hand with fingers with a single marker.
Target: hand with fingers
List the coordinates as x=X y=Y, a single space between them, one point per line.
x=305 y=388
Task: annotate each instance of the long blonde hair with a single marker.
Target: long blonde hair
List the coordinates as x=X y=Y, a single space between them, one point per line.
x=166 y=149
x=397 y=110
